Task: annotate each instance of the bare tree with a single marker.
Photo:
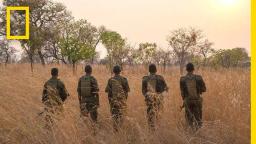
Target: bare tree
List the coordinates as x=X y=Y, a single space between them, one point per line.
x=183 y=41
x=162 y=57
x=146 y=52
x=6 y=51
x=205 y=49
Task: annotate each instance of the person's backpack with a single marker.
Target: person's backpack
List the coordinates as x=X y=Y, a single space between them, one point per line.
x=160 y=85
x=191 y=86
x=53 y=96
x=117 y=89
x=85 y=87
x=151 y=84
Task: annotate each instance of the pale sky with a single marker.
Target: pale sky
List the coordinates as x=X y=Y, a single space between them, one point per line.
x=224 y=22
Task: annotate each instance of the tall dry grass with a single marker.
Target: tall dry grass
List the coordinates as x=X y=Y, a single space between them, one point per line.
x=226 y=109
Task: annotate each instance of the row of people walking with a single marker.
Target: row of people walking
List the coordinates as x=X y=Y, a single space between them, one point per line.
x=153 y=85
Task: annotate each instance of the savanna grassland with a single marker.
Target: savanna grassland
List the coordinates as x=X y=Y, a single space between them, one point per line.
x=226 y=109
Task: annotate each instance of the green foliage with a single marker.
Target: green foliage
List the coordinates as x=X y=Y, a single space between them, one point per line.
x=229 y=57
x=44 y=16
x=116 y=47
x=73 y=45
x=197 y=60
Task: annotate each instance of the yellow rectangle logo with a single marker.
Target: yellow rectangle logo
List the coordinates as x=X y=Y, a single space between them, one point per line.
x=8 y=23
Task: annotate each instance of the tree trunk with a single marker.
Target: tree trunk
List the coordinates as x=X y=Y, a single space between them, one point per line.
x=92 y=60
x=41 y=57
x=182 y=64
x=31 y=63
x=74 y=67
x=164 y=67
x=63 y=61
x=7 y=59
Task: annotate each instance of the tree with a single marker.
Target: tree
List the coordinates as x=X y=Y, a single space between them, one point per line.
x=43 y=15
x=115 y=46
x=229 y=57
x=73 y=45
x=146 y=52
x=205 y=49
x=131 y=55
x=183 y=41
x=6 y=51
x=162 y=57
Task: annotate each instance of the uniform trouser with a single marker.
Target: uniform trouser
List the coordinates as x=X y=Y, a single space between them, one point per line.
x=154 y=106
x=118 y=111
x=193 y=113
x=89 y=108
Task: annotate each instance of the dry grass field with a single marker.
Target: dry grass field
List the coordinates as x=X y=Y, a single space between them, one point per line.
x=226 y=109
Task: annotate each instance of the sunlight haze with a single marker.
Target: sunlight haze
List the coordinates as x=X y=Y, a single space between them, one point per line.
x=224 y=22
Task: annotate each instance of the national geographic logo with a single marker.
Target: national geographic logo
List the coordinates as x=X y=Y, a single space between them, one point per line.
x=8 y=23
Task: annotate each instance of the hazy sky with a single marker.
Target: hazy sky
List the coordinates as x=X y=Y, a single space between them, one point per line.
x=224 y=22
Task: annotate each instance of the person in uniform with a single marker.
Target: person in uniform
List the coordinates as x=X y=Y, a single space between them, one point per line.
x=153 y=86
x=192 y=86
x=88 y=96
x=117 y=89
x=54 y=95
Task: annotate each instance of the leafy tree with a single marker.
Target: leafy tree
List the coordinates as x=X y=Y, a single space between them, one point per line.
x=115 y=46
x=73 y=45
x=229 y=57
x=43 y=15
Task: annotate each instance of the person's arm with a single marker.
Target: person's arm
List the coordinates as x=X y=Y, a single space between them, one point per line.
x=182 y=88
x=202 y=87
x=144 y=86
x=126 y=85
x=108 y=87
x=95 y=90
x=95 y=87
x=44 y=95
x=164 y=84
x=63 y=91
x=79 y=90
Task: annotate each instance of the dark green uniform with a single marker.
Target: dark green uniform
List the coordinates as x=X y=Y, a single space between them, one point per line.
x=191 y=87
x=88 y=96
x=54 y=94
x=117 y=89
x=152 y=88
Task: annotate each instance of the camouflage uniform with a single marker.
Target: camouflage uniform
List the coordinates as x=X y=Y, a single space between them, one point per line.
x=152 y=88
x=54 y=94
x=117 y=89
x=88 y=96
x=191 y=96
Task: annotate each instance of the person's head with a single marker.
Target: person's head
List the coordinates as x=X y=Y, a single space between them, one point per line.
x=190 y=67
x=117 y=69
x=54 y=72
x=152 y=68
x=88 y=69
